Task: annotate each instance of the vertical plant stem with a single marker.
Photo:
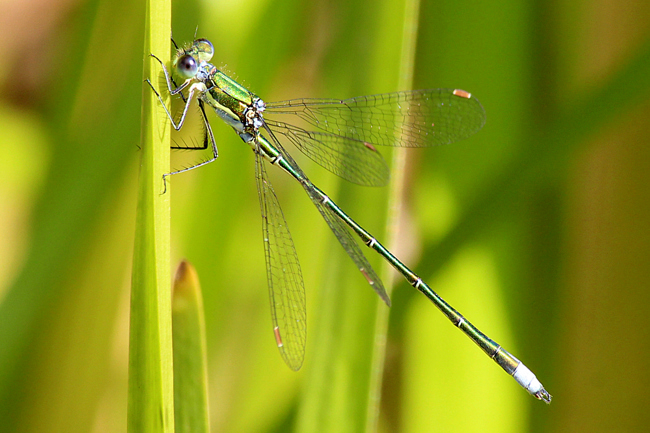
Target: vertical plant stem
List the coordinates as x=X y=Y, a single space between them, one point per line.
x=151 y=397
x=397 y=188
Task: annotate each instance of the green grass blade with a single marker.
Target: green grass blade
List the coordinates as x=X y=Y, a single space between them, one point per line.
x=150 y=402
x=190 y=353
x=89 y=118
x=345 y=364
x=398 y=187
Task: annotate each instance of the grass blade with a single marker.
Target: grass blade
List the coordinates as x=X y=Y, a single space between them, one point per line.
x=190 y=353
x=150 y=402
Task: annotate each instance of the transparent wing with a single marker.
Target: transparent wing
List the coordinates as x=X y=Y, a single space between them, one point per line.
x=286 y=288
x=339 y=228
x=352 y=160
x=417 y=118
x=342 y=233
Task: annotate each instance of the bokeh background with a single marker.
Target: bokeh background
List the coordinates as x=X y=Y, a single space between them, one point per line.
x=537 y=228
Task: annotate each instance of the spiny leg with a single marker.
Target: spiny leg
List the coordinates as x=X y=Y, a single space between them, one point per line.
x=185 y=109
x=176 y=90
x=209 y=136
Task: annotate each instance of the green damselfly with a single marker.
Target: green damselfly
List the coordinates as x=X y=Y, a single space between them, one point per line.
x=343 y=143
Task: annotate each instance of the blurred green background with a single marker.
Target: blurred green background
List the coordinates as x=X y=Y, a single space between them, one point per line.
x=536 y=229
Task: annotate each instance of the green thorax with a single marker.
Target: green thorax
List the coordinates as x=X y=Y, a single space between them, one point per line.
x=229 y=94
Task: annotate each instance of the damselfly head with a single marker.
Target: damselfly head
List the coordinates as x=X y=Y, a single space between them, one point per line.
x=189 y=58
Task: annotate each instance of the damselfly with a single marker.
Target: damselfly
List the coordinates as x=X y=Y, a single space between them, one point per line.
x=343 y=142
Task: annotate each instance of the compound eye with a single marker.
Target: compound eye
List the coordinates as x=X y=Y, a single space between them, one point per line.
x=205 y=49
x=186 y=66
